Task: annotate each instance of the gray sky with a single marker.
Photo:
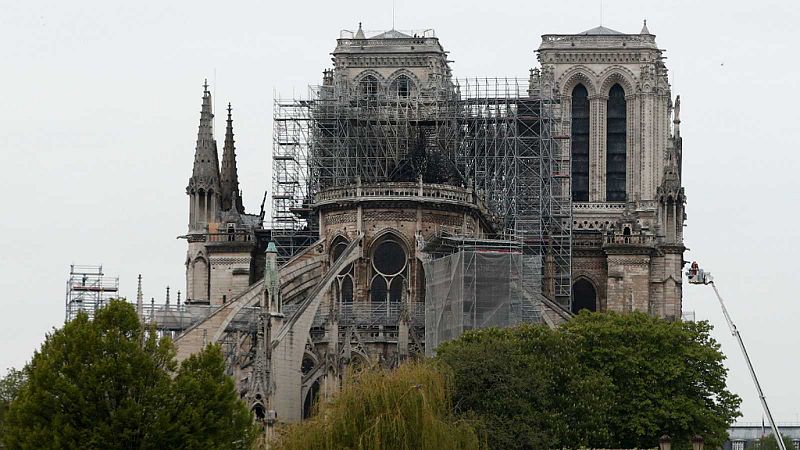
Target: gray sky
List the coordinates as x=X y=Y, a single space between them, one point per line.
x=101 y=100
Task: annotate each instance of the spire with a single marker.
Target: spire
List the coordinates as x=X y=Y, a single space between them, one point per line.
x=204 y=184
x=139 y=298
x=360 y=32
x=231 y=200
x=644 y=28
x=206 y=160
x=676 y=121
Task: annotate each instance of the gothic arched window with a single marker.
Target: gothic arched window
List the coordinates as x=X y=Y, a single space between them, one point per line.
x=580 y=144
x=369 y=87
x=200 y=280
x=583 y=296
x=616 y=145
x=343 y=286
x=402 y=86
x=389 y=263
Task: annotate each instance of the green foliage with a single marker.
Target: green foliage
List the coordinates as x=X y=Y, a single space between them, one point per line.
x=407 y=408
x=10 y=386
x=108 y=383
x=770 y=443
x=602 y=380
x=667 y=377
x=528 y=386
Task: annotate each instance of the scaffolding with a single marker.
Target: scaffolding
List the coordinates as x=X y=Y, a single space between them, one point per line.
x=88 y=289
x=499 y=136
x=514 y=152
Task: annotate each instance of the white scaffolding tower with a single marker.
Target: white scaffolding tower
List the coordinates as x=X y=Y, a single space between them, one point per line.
x=88 y=289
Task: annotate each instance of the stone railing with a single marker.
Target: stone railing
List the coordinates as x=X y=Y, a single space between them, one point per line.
x=636 y=239
x=348 y=34
x=234 y=236
x=366 y=313
x=176 y=318
x=180 y=317
x=558 y=38
x=397 y=191
x=598 y=207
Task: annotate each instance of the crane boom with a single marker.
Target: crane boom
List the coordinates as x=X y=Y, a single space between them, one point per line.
x=697 y=276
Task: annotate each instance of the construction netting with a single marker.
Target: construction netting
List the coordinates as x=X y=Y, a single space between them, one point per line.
x=472 y=289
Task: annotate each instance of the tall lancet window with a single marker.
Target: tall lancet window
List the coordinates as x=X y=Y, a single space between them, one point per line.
x=616 y=147
x=580 y=144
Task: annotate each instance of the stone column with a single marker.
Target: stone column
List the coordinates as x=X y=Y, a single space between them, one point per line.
x=633 y=172
x=597 y=147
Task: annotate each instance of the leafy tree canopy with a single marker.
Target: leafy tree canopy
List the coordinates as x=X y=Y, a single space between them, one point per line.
x=529 y=387
x=407 y=408
x=769 y=442
x=602 y=380
x=667 y=377
x=10 y=386
x=111 y=383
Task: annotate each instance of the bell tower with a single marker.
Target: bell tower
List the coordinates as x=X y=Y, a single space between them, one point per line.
x=627 y=198
x=204 y=185
x=204 y=204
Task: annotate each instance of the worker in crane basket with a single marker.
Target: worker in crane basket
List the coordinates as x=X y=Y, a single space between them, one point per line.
x=696 y=274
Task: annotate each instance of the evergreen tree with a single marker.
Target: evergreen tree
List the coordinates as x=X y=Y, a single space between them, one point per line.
x=108 y=383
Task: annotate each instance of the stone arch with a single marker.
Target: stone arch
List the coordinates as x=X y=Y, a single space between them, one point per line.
x=336 y=240
x=403 y=83
x=584 y=295
x=367 y=72
x=578 y=75
x=617 y=75
x=396 y=234
x=343 y=287
x=396 y=74
x=200 y=273
x=362 y=77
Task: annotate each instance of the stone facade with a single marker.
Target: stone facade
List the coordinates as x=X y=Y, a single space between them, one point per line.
x=629 y=250
x=356 y=295
x=222 y=239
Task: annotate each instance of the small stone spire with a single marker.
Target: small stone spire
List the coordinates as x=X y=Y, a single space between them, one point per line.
x=271 y=283
x=644 y=28
x=139 y=298
x=203 y=185
x=231 y=200
x=360 y=32
x=676 y=121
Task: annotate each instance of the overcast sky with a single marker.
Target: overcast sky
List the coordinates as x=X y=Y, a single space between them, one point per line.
x=100 y=105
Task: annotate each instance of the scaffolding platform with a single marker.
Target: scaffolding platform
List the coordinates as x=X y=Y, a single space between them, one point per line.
x=88 y=289
x=502 y=137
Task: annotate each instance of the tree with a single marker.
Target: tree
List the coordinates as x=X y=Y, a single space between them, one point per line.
x=407 y=408
x=528 y=387
x=9 y=389
x=667 y=377
x=602 y=380
x=769 y=442
x=108 y=383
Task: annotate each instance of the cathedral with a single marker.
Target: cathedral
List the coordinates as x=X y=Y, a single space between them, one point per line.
x=408 y=206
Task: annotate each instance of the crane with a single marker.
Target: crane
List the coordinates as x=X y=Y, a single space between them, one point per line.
x=697 y=275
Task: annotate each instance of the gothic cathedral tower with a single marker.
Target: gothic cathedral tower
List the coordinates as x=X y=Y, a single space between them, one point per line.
x=222 y=241
x=628 y=203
